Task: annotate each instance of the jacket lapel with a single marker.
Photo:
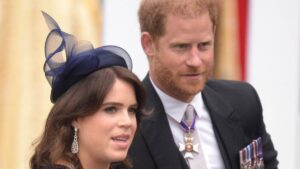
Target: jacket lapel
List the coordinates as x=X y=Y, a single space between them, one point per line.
x=157 y=133
x=226 y=126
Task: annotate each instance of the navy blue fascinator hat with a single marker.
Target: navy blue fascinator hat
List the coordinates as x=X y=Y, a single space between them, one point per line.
x=69 y=60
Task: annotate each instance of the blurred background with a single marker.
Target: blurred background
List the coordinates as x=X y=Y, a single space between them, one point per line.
x=257 y=42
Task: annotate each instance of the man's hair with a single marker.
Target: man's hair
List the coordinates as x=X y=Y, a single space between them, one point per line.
x=83 y=99
x=153 y=13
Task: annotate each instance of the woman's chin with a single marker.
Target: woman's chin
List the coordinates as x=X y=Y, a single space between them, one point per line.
x=117 y=157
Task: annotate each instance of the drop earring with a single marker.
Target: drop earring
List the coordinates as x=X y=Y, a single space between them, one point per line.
x=74 y=147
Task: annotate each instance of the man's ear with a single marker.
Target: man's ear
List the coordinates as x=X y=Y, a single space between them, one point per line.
x=148 y=44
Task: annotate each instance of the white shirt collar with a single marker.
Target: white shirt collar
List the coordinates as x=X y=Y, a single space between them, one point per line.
x=176 y=108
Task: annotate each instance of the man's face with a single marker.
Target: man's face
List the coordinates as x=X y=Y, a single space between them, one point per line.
x=182 y=59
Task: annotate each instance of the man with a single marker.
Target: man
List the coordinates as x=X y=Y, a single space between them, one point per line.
x=178 y=39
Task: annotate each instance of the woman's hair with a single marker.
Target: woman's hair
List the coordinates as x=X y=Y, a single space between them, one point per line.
x=82 y=99
x=153 y=13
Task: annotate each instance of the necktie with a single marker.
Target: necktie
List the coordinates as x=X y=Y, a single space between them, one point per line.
x=193 y=152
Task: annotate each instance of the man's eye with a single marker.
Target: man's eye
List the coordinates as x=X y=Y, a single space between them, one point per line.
x=181 y=46
x=110 y=109
x=204 y=45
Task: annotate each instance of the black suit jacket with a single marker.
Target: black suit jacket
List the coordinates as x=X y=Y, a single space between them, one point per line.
x=236 y=114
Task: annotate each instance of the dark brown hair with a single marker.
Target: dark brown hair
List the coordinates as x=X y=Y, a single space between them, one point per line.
x=84 y=98
x=153 y=13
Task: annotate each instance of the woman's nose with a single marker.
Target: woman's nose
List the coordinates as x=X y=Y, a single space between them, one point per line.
x=127 y=119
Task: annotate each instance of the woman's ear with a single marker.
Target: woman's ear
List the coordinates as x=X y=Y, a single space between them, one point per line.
x=75 y=123
x=148 y=44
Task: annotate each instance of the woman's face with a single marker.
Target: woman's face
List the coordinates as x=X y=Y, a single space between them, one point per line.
x=106 y=135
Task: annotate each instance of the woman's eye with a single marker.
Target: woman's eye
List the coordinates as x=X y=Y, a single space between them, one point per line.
x=110 y=109
x=132 y=110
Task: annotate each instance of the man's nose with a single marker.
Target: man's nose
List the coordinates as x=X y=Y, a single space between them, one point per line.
x=194 y=59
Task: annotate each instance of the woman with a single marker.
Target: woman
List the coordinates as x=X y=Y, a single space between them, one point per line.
x=98 y=104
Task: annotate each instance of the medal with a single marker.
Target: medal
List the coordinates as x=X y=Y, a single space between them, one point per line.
x=251 y=156
x=189 y=147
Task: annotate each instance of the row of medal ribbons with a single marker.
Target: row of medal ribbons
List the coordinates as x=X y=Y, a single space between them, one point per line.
x=251 y=157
